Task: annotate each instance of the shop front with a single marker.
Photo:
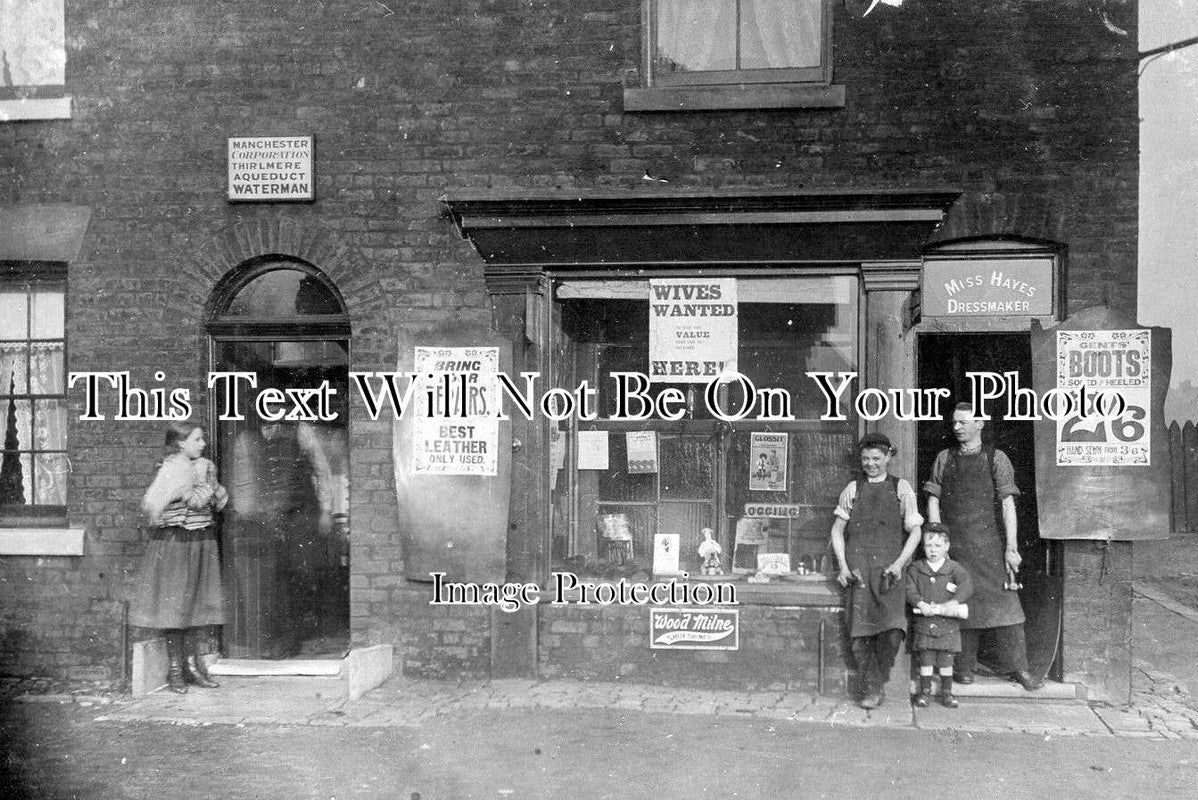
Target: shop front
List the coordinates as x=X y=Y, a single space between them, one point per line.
x=828 y=310
x=628 y=488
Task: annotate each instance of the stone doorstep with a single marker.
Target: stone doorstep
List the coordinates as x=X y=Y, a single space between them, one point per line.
x=1003 y=689
x=992 y=688
x=362 y=669
x=245 y=667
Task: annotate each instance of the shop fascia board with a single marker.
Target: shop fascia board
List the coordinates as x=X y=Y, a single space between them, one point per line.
x=566 y=229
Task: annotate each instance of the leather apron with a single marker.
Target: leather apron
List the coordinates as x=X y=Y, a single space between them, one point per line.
x=873 y=540
x=968 y=507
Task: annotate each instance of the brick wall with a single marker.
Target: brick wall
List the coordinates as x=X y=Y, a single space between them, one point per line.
x=1097 y=616
x=779 y=649
x=1028 y=107
x=440 y=641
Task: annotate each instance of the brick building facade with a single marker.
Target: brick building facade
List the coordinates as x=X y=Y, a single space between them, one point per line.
x=431 y=118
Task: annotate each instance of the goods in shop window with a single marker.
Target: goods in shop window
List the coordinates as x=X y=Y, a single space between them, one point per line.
x=710 y=551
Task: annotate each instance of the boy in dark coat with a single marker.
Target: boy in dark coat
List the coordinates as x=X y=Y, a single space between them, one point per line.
x=937 y=590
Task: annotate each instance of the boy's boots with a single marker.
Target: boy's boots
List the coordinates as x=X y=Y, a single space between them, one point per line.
x=925 y=692
x=946 y=692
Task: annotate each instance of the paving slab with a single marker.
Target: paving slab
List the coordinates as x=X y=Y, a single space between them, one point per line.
x=891 y=714
x=251 y=700
x=408 y=703
x=1056 y=718
x=1120 y=720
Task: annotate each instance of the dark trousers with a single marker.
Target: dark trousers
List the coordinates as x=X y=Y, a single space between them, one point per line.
x=875 y=657
x=1007 y=644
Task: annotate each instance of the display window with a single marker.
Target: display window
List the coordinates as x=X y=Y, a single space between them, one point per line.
x=763 y=488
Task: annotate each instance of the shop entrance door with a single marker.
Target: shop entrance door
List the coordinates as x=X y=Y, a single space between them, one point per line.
x=944 y=361
x=285 y=533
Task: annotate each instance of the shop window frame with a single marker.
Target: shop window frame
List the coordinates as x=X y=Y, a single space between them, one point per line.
x=722 y=516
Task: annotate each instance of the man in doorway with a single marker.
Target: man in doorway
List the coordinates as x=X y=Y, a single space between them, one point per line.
x=973 y=487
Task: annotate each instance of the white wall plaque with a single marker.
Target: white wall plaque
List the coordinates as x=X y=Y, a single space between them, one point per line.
x=270 y=168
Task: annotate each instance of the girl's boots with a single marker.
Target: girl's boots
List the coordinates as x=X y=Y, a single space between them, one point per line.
x=175 y=680
x=194 y=671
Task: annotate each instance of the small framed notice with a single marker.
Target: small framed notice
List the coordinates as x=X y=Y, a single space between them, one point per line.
x=665 y=553
x=270 y=168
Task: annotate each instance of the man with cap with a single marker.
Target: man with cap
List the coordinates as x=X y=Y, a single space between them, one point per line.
x=876 y=530
x=973 y=488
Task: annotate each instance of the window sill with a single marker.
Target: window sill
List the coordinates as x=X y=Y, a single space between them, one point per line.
x=41 y=541
x=733 y=97
x=823 y=593
x=818 y=591
x=34 y=108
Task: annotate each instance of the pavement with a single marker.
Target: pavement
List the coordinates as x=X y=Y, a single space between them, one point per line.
x=266 y=737
x=1162 y=706
x=402 y=702
x=60 y=751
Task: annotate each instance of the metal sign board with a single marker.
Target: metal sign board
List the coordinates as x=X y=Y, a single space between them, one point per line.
x=990 y=287
x=270 y=168
x=694 y=629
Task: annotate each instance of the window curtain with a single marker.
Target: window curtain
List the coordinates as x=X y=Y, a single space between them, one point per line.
x=32 y=43
x=780 y=33
x=696 y=35
x=49 y=424
x=38 y=425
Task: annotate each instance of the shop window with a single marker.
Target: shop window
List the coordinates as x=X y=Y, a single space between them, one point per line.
x=749 y=49
x=33 y=404
x=679 y=477
x=33 y=60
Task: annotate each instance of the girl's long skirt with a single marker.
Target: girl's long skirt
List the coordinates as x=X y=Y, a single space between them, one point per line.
x=178 y=582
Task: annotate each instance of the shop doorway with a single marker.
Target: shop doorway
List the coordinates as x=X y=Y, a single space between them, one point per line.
x=285 y=534
x=944 y=361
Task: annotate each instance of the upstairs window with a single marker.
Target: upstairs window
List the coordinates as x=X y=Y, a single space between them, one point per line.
x=712 y=42
x=33 y=60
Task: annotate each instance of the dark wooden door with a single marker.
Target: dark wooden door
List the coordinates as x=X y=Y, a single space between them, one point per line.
x=944 y=362
x=285 y=533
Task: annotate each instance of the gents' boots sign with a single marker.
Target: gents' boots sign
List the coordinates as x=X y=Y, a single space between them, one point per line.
x=1102 y=466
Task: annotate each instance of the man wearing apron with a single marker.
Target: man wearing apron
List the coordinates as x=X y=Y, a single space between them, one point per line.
x=867 y=538
x=968 y=486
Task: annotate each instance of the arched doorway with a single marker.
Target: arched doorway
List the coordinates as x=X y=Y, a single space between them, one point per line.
x=285 y=539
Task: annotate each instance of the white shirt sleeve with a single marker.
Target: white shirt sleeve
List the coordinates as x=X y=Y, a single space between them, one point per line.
x=844 y=505
x=908 y=506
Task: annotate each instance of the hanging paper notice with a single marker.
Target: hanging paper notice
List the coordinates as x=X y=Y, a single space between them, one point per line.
x=692 y=329
x=592 y=450
x=642 y=452
x=461 y=437
x=557 y=454
x=752 y=531
x=665 y=553
x=767 y=462
x=1114 y=362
